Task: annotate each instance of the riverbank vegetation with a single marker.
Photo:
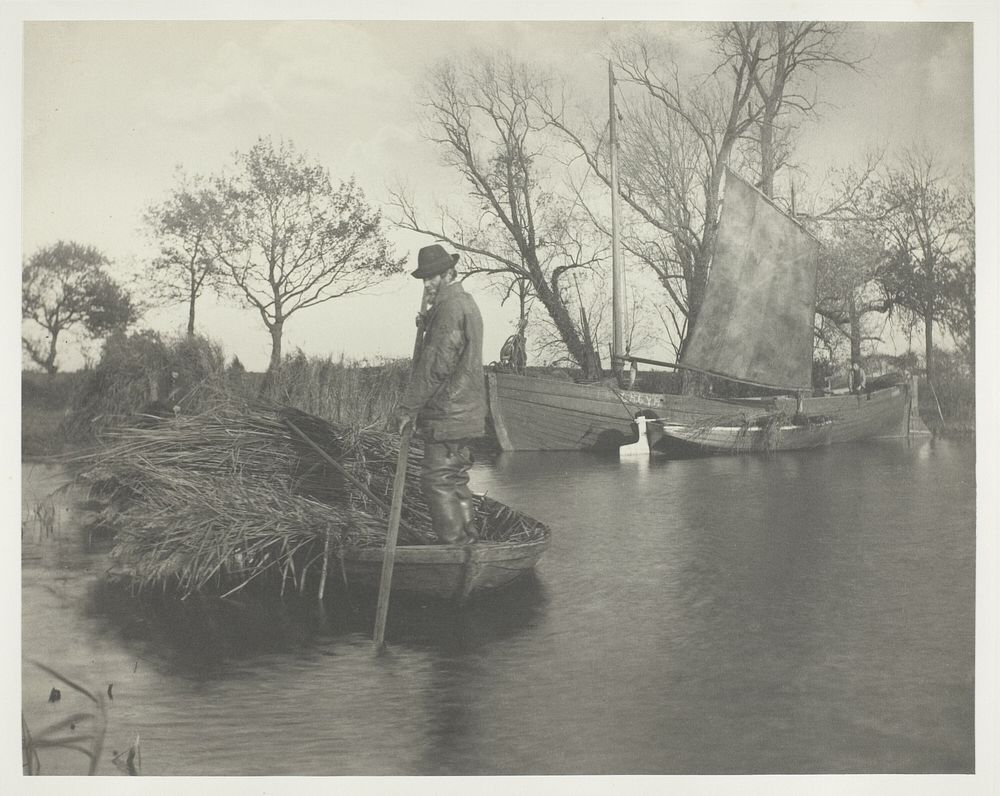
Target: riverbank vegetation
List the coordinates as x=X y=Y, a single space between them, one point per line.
x=62 y=735
x=64 y=412
x=145 y=373
x=80 y=732
x=948 y=404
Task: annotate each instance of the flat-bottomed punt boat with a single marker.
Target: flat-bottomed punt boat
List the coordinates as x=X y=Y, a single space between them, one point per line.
x=447 y=572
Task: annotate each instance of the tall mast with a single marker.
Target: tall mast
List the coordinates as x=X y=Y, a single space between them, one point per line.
x=617 y=272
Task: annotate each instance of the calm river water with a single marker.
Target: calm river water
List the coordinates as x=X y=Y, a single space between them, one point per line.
x=807 y=612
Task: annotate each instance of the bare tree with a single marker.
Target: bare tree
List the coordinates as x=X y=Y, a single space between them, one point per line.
x=786 y=53
x=183 y=226
x=291 y=241
x=677 y=138
x=66 y=286
x=483 y=114
x=927 y=221
x=679 y=131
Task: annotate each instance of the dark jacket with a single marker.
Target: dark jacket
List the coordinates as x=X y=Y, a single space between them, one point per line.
x=447 y=391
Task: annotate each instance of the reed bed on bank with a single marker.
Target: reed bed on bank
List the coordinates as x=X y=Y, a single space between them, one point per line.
x=342 y=390
x=215 y=501
x=144 y=372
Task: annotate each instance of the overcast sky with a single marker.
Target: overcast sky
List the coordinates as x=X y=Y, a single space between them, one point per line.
x=110 y=108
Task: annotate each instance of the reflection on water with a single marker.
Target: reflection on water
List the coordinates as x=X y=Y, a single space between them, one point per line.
x=806 y=612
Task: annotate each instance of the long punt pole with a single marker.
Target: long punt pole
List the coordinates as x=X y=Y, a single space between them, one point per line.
x=396 y=507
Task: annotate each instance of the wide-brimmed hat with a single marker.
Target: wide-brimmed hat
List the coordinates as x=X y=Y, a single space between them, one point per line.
x=433 y=260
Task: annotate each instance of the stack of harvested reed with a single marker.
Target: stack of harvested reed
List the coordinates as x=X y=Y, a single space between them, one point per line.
x=215 y=501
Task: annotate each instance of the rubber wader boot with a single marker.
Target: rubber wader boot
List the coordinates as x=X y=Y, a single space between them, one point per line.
x=445 y=479
x=447 y=514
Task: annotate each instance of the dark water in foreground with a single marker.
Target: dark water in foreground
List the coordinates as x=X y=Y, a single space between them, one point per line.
x=805 y=613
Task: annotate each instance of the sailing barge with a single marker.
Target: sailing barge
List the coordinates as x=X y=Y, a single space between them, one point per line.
x=755 y=326
x=545 y=414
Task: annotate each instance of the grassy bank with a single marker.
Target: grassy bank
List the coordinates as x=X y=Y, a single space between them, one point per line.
x=145 y=373
x=949 y=406
x=148 y=373
x=45 y=403
x=949 y=409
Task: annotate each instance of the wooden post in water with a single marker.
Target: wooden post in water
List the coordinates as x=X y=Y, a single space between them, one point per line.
x=915 y=423
x=396 y=507
x=937 y=403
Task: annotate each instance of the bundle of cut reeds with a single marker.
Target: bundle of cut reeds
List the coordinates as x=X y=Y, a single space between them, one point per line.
x=214 y=501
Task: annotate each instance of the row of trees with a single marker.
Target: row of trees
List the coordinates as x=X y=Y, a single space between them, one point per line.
x=905 y=246
x=272 y=231
x=276 y=233
x=899 y=233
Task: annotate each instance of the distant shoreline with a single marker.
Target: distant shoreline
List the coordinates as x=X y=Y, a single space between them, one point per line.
x=47 y=404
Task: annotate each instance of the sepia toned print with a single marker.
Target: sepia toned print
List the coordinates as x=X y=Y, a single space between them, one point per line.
x=498 y=398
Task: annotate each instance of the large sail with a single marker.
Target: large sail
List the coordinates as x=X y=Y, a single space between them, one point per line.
x=756 y=322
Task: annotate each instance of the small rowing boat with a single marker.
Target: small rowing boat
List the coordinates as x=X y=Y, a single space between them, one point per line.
x=755 y=438
x=447 y=572
x=509 y=544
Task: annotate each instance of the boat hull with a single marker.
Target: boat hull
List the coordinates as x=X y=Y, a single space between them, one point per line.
x=752 y=439
x=537 y=413
x=448 y=572
x=882 y=413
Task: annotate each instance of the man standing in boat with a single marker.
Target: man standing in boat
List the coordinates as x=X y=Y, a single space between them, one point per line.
x=446 y=396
